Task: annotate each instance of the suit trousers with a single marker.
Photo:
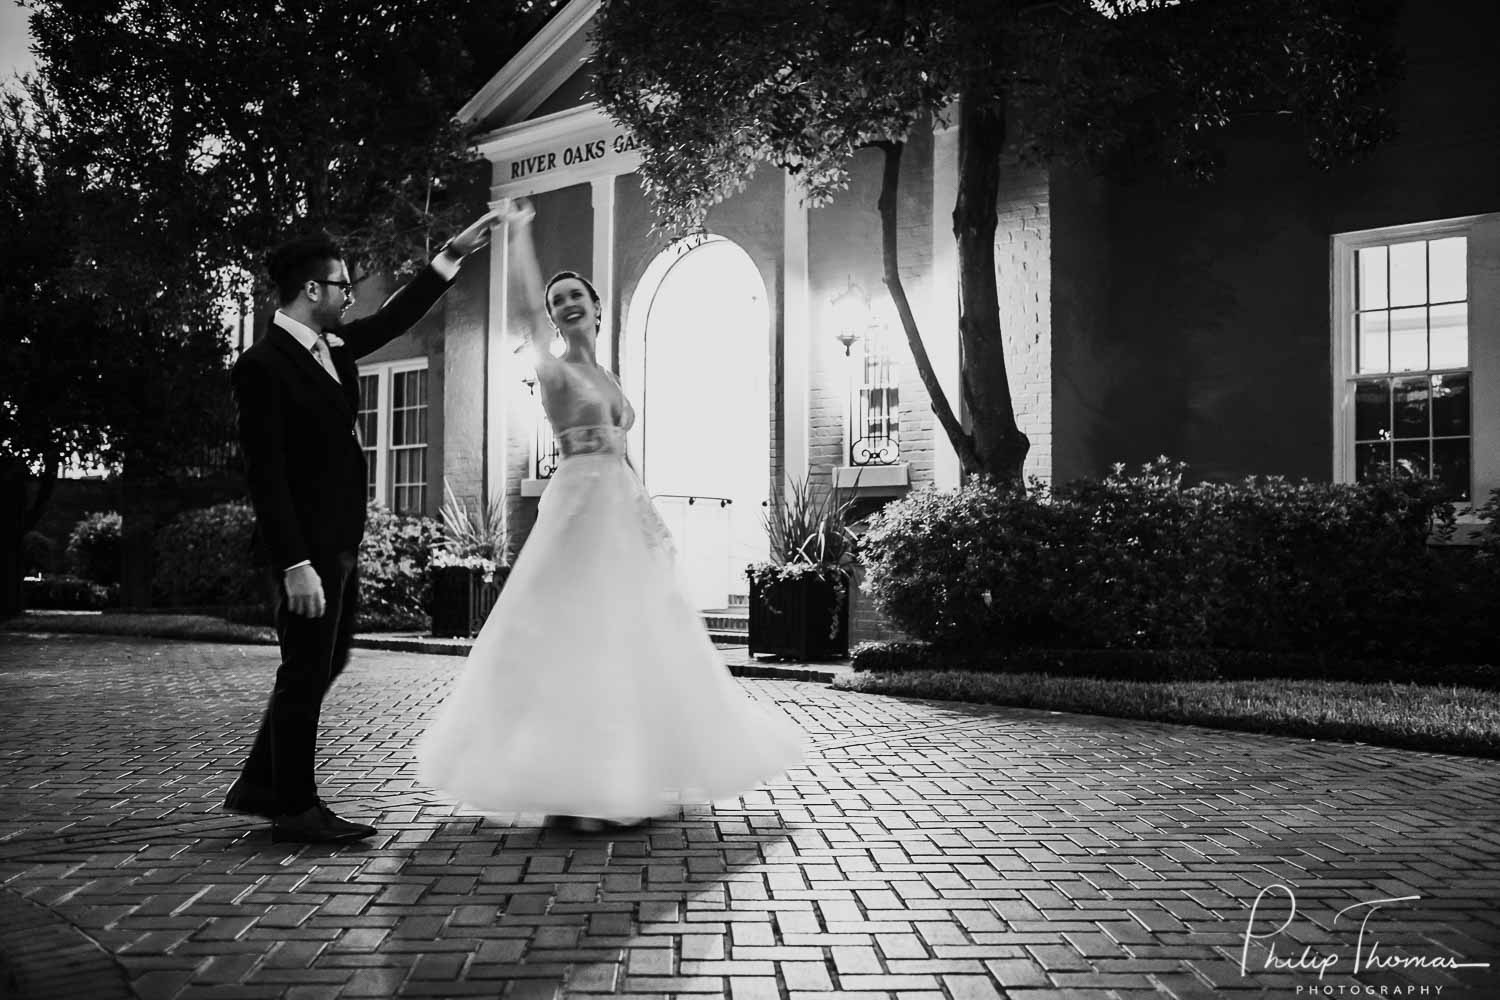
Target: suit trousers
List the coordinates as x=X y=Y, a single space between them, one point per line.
x=314 y=652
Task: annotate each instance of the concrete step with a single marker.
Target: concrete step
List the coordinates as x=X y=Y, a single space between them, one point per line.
x=730 y=625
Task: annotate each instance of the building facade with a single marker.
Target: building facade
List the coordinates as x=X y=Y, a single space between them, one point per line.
x=1280 y=321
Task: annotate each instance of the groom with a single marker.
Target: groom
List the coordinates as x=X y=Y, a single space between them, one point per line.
x=297 y=393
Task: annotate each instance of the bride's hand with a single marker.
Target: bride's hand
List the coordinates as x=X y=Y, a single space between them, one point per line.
x=515 y=211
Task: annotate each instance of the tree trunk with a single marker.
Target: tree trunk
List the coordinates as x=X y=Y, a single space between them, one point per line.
x=46 y=486
x=12 y=518
x=140 y=502
x=963 y=442
x=999 y=446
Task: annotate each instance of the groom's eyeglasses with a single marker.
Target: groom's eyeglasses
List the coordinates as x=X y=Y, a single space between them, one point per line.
x=346 y=286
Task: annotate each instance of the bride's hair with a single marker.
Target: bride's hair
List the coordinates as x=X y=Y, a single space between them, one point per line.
x=593 y=294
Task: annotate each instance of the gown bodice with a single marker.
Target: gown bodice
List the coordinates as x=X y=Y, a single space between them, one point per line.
x=611 y=413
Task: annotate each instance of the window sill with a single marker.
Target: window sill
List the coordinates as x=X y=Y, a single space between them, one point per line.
x=873 y=478
x=534 y=487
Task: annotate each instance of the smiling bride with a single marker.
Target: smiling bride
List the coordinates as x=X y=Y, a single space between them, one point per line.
x=593 y=692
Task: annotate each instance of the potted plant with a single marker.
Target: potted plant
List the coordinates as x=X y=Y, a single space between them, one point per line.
x=799 y=599
x=469 y=565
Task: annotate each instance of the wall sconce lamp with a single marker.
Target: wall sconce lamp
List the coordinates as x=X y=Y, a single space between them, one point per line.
x=851 y=311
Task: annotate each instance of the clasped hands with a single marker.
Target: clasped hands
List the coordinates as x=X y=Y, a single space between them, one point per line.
x=512 y=210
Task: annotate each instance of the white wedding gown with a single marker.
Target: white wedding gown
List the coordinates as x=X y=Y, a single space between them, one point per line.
x=593 y=689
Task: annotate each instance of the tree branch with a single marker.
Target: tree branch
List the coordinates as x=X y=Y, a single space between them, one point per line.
x=890 y=181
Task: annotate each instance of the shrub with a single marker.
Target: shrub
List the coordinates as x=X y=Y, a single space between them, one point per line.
x=68 y=593
x=979 y=565
x=38 y=554
x=394 y=583
x=1140 y=561
x=93 y=551
x=205 y=557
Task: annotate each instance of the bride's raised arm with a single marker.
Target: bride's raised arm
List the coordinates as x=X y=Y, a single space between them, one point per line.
x=527 y=276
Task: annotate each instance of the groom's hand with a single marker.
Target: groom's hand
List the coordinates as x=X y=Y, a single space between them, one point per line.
x=304 y=592
x=474 y=237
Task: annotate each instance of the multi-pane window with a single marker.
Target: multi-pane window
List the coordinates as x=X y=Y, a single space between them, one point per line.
x=392 y=427
x=409 y=441
x=1411 y=376
x=368 y=424
x=875 y=423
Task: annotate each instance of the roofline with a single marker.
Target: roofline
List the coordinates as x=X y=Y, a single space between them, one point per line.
x=529 y=67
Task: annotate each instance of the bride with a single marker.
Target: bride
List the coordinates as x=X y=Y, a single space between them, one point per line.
x=593 y=690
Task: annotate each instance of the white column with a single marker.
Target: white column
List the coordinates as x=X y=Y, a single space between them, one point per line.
x=603 y=276
x=797 y=335
x=496 y=390
x=942 y=325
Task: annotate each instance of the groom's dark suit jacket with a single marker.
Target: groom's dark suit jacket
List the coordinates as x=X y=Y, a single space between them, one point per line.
x=303 y=462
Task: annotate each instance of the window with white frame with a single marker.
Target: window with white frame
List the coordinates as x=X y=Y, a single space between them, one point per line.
x=368 y=424
x=393 y=432
x=1410 y=349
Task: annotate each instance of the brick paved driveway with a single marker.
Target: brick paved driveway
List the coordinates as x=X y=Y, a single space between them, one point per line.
x=928 y=850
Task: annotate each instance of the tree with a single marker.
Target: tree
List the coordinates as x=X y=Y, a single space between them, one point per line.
x=161 y=149
x=1137 y=83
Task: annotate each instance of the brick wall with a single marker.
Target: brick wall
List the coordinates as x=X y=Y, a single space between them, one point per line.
x=456 y=390
x=1023 y=274
x=1208 y=338
x=461 y=360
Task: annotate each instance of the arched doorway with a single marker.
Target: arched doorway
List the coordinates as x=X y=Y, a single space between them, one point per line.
x=696 y=360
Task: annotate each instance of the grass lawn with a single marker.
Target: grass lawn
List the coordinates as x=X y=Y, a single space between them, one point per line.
x=1460 y=720
x=204 y=628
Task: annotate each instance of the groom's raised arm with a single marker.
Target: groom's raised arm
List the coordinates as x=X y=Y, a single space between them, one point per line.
x=411 y=301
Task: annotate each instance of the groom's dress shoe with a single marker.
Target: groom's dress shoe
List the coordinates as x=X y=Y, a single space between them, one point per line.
x=317 y=824
x=252 y=800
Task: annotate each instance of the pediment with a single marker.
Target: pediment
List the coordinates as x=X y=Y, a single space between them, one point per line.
x=550 y=63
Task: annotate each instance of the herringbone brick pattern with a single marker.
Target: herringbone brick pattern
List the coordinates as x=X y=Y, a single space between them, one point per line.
x=926 y=850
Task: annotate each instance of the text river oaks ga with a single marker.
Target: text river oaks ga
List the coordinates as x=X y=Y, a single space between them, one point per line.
x=568 y=156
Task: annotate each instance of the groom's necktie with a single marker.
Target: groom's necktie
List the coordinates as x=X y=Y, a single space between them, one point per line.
x=320 y=352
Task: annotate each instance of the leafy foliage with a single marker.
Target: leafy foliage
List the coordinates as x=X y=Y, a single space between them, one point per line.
x=144 y=172
x=1128 y=83
x=810 y=536
x=93 y=551
x=205 y=557
x=333 y=116
x=811 y=82
x=38 y=553
x=1142 y=561
x=472 y=537
x=394 y=582
x=809 y=533
x=68 y=593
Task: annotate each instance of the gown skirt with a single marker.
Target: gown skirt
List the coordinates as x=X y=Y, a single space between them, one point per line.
x=593 y=688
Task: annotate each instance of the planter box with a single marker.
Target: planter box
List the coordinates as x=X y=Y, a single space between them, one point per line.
x=461 y=600
x=795 y=619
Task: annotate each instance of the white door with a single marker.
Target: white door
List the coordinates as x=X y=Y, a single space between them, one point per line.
x=701 y=359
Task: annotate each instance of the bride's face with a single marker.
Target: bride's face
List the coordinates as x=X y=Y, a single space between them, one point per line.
x=572 y=307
